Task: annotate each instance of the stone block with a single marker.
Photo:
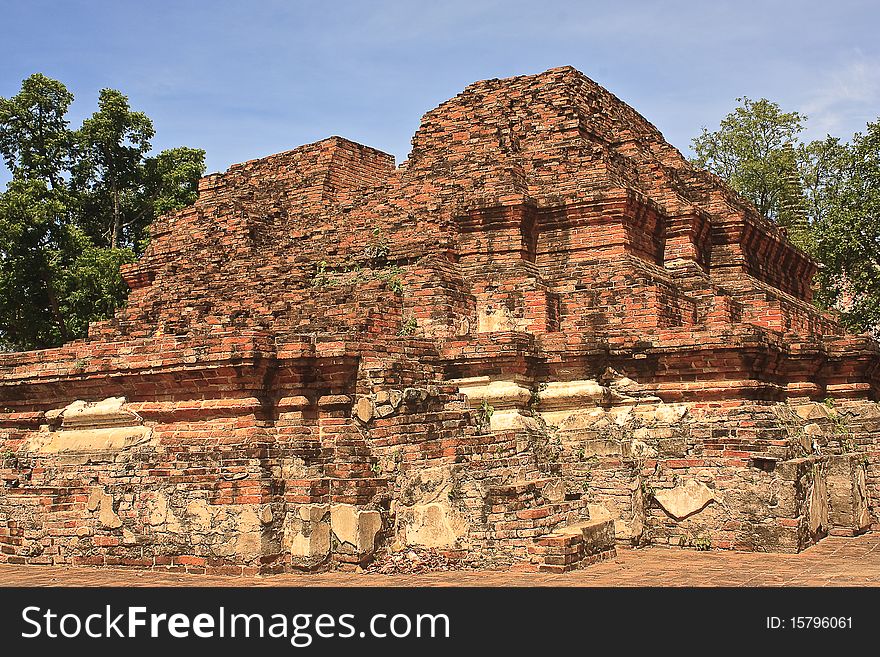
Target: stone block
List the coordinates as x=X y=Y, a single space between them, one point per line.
x=434 y=525
x=354 y=527
x=686 y=499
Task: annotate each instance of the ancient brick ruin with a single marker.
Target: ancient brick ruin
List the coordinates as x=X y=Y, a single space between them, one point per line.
x=543 y=334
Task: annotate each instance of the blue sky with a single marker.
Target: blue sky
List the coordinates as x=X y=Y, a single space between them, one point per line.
x=246 y=79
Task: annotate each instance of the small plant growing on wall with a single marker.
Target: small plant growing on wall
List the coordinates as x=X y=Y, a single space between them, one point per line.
x=408 y=327
x=838 y=423
x=535 y=401
x=485 y=412
x=703 y=543
x=321 y=277
x=378 y=249
x=7 y=457
x=392 y=279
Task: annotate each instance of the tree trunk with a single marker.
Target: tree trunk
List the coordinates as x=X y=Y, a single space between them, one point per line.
x=114 y=237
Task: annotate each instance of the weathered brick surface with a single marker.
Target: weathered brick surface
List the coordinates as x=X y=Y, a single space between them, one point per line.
x=544 y=316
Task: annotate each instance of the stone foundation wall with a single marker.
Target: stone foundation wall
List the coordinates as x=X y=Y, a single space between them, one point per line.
x=379 y=451
x=751 y=476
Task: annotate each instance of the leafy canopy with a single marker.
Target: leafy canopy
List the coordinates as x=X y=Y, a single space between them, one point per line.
x=826 y=193
x=79 y=205
x=754 y=150
x=34 y=138
x=847 y=227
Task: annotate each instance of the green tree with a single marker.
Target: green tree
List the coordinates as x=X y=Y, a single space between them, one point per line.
x=173 y=178
x=34 y=138
x=170 y=181
x=78 y=206
x=825 y=192
x=846 y=226
x=32 y=253
x=755 y=151
x=120 y=188
x=89 y=284
x=113 y=145
x=821 y=164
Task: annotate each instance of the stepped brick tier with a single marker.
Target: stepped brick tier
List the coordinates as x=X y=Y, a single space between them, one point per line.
x=543 y=333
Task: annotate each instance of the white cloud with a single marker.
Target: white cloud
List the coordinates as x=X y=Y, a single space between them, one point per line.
x=844 y=98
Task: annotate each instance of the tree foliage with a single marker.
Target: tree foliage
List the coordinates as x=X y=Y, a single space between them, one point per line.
x=846 y=227
x=79 y=205
x=826 y=193
x=32 y=253
x=113 y=144
x=34 y=138
x=755 y=151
